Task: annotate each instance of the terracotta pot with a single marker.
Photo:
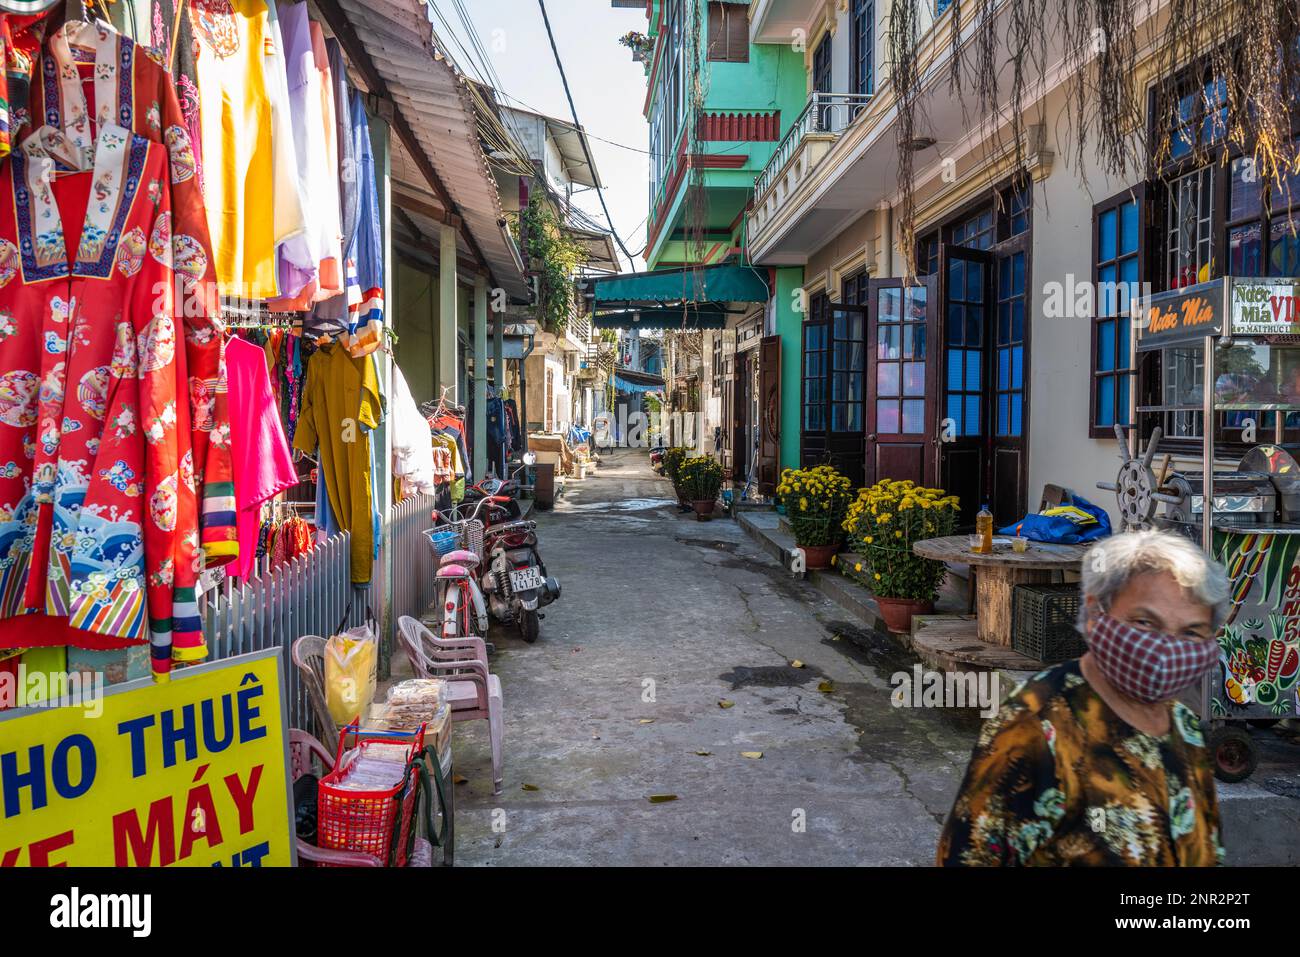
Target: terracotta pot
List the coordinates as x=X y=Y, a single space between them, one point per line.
x=703 y=508
x=898 y=612
x=819 y=556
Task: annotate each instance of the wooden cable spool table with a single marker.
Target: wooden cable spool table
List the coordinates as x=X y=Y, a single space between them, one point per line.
x=999 y=574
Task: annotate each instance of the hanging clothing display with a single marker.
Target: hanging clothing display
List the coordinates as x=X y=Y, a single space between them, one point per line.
x=412 y=442
x=293 y=251
x=20 y=43
x=307 y=69
x=340 y=405
x=263 y=464
x=97 y=500
x=90 y=73
x=139 y=444
x=235 y=120
x=178 y=59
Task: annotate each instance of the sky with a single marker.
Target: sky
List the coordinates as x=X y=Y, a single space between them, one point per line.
x=608 y=87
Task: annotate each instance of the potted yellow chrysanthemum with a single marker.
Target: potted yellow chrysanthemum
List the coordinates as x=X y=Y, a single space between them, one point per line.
x=815 y=502
x=701 y=478
x=881 y=524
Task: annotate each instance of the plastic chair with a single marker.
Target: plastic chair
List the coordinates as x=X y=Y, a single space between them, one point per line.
x=473 y=691
x=302 y=749
x=309 y=658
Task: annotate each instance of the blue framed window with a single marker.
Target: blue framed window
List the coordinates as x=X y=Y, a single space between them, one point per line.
x=1118 y=252
x=864 y=46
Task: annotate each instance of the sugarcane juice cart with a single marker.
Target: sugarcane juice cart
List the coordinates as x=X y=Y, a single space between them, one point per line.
x=1225 y=398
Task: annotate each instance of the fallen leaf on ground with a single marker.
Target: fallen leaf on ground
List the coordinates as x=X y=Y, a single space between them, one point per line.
x=726 y=704
x=754 y=755
x=662 y=798
x=530 y=787
x=796 y=663
x=704 y=754
x=646 y=721
x=826 y=687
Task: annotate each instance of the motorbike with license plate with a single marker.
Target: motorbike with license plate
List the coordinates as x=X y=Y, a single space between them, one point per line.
x=512 y=575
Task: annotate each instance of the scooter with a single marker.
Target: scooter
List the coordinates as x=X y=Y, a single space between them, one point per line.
x=514 y=578
x=459 y=595
x=514 y=581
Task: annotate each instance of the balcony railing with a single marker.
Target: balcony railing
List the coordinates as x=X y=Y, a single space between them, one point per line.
x=829 y=113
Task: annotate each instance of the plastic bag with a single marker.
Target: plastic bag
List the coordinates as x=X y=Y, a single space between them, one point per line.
x=351 y=660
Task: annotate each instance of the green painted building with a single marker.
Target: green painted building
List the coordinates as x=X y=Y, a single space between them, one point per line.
x=718 y=107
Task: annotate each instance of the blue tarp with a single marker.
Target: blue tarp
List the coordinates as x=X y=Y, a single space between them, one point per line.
x=623 y=385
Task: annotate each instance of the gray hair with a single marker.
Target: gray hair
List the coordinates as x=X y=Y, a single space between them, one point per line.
x=1110 y=564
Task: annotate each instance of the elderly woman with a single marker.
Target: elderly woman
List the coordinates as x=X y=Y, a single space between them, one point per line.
x=1094 y=762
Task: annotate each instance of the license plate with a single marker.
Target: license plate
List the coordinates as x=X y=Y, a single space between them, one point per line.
x=526 y=579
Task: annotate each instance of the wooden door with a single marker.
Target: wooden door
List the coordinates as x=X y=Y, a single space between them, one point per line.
x=902 y=416
x=739 y=424
x=1009 y=385
x=769 y=409
x=846 y=406
x=965 y=290
x=814 y=390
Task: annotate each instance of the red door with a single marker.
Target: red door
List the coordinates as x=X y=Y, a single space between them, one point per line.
x=902 y=386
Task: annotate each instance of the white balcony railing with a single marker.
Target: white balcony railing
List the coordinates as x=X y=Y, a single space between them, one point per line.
x=826 y=116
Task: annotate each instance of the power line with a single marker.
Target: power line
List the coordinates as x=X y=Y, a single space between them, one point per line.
x=591 y=163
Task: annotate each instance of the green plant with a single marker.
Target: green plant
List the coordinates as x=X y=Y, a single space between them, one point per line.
x=554 y=258
x=815 y=501
x=700 y=479
x=883 y=523
x=673 y=459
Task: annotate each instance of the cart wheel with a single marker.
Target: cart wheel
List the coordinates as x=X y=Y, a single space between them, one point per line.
x=1235 y=755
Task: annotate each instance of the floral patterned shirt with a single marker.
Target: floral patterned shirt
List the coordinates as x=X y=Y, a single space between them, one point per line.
x=1057 y=778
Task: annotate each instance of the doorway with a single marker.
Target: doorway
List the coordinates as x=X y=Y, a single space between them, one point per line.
x=982 y=457
x=900 y=436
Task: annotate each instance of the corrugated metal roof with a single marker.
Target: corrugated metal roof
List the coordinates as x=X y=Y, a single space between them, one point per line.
x=397 y=37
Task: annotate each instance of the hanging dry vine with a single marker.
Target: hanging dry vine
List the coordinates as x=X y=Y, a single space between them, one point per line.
x=1249 y=50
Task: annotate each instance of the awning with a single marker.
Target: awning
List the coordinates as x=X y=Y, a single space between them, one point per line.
x=707 y=284
x=627 y=380
x=672 y=317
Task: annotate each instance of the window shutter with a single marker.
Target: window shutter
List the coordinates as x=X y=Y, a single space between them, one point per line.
x=728 y=39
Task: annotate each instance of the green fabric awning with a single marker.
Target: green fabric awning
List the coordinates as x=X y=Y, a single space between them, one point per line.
x=708 y=284
x=677 y=317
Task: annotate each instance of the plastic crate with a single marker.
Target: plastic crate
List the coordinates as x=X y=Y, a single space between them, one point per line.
x=1043 y=622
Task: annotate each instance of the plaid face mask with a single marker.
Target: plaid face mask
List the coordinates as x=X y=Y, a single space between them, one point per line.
x=1148 y=665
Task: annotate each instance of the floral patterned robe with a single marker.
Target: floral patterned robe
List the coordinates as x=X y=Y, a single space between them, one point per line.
x=1057 y=778
x=97 y=507
x=91 y=74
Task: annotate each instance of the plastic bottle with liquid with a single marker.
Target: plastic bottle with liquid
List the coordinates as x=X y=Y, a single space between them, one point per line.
x=984 y=530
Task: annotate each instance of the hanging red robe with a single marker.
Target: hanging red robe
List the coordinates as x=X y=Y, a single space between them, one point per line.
x=97 y=508
x=91 y=74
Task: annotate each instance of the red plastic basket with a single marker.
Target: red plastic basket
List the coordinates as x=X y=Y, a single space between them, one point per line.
x=377 y=822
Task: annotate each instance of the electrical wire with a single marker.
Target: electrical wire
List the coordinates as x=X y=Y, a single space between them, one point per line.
x=582 y=139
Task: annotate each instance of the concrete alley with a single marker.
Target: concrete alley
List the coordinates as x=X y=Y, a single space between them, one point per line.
x=661 y=619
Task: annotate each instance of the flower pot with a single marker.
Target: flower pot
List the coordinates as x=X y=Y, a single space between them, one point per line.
x=703 y=508
x=898 y=612
x=818 y=556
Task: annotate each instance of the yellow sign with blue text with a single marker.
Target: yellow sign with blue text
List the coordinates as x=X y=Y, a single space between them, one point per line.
x=191 y=772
